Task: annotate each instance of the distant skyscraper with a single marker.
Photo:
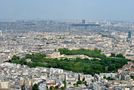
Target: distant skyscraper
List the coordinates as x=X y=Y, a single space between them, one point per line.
x=129 y=34
x=129 y=37
x=0 y=32
x=83 y=21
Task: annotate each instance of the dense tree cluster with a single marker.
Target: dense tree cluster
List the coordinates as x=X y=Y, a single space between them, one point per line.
x=32 y=60
x=117 y=55
x=91 y=53
x=87 y=66
x=35 y=87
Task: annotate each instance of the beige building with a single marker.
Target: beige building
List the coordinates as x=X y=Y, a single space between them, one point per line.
x=4 y=86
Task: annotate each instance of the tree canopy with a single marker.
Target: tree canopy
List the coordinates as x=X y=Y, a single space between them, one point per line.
x=87 y=66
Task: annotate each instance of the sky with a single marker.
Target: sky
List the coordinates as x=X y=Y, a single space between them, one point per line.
x=67 y=9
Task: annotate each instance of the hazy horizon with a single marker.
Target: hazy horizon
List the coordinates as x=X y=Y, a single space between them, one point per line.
x=67 y=9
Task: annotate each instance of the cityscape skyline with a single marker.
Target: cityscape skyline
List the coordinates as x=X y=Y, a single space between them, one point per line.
x=66 y=45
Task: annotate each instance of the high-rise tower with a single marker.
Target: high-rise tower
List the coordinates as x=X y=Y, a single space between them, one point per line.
x=129 y=34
